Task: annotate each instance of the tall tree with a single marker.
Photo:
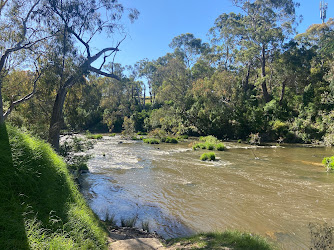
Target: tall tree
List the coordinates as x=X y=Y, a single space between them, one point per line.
x=189 y=47
x=260 y=30
x=22 y=30
x=82 y=21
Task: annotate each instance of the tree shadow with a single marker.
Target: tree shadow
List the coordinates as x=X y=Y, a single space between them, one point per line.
x=12 y=227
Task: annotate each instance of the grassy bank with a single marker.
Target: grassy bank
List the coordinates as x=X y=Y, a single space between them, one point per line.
x=224 y=240
x=41 y=207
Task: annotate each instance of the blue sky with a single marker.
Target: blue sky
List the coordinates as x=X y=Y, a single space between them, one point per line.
x=161 y=20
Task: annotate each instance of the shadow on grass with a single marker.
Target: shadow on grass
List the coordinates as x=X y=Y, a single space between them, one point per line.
x=12 y=227
x=38 y=188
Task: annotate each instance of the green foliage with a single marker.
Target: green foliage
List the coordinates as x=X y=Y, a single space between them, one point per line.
x=328 y=163
x=70 y=147
x=145 y=225
x=220 y=147
x=208 y=156
x=182 y=137
x=169 y=140
x=112 y=134
x=210 y=143
x=44 y=203
x=135 y=138
x=209 y=139
x=141 y=133
x=227 y=239
x=94 y=136
x=151 y=141
x=130 y=222
x=128 y=126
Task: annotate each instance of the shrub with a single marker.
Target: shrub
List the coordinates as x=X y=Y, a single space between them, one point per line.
x=170 y=140
x=96 y=137
x=141 y=133
x=329 y=163
x=151 y=141
x=182 y=137
x=113 y=134
x=208 y=156
x=220 y=147
x=131 y=222
x=224 y=240
x=209 y=139
x=135 y=138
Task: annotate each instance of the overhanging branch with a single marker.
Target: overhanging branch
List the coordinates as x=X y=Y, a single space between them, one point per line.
x=100 y=72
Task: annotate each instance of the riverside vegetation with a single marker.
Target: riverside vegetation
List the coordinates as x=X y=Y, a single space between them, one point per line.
x=246 y=81
x=41 y=206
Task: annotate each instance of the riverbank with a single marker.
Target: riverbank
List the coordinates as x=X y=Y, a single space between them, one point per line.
x=41 y=206
x=125 y=238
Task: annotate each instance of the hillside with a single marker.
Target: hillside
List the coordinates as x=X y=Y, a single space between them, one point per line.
x=41 y=206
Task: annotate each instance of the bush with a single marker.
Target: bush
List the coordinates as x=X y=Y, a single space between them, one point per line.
x=208 y=156
x=135 y=138
x=96 y=137
x=329 y=163
x=220 y=147
x=209 y=146
x=113 y=134
x=182 y=137
x=151 y=141
x=141 y=133
x=169 y=140
x=209 y=139
x=224 y=240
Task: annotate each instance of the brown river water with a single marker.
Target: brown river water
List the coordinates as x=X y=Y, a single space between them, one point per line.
x=272 y=191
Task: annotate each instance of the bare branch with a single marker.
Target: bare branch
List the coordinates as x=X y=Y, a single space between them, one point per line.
x=100 y=72
x=70 y=30
x=23 y=99
x=2 y=5
x=25 y=24
x=97 y=55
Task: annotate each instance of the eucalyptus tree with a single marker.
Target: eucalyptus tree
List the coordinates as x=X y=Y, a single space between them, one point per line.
x=188 y=47
x=148 y=69
x=82 y=21
x=257 y=32
x=22 y=33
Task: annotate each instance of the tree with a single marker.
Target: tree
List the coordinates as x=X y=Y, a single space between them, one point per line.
x=258 y=31
x=22 y=34
x=81 y=21
x=189 y=47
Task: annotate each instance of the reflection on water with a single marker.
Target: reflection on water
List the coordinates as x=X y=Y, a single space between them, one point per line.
x=277 y=194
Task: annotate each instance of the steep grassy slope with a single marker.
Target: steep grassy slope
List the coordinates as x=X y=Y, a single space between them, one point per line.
x=40 y=206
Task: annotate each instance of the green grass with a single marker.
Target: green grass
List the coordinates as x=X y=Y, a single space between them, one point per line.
x=227 y=239
x=208 y=156
x=183 y=137
x=220 y=147
x=329 y=163
x=96 y=137
x=209 y=146
x=151 y=141
x=41 y=206
x=169 y=140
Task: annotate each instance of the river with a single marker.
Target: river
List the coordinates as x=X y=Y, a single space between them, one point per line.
x=271 y=191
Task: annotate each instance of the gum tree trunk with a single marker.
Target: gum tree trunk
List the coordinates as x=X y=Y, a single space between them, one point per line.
x=266 y=95
x=57 y=118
